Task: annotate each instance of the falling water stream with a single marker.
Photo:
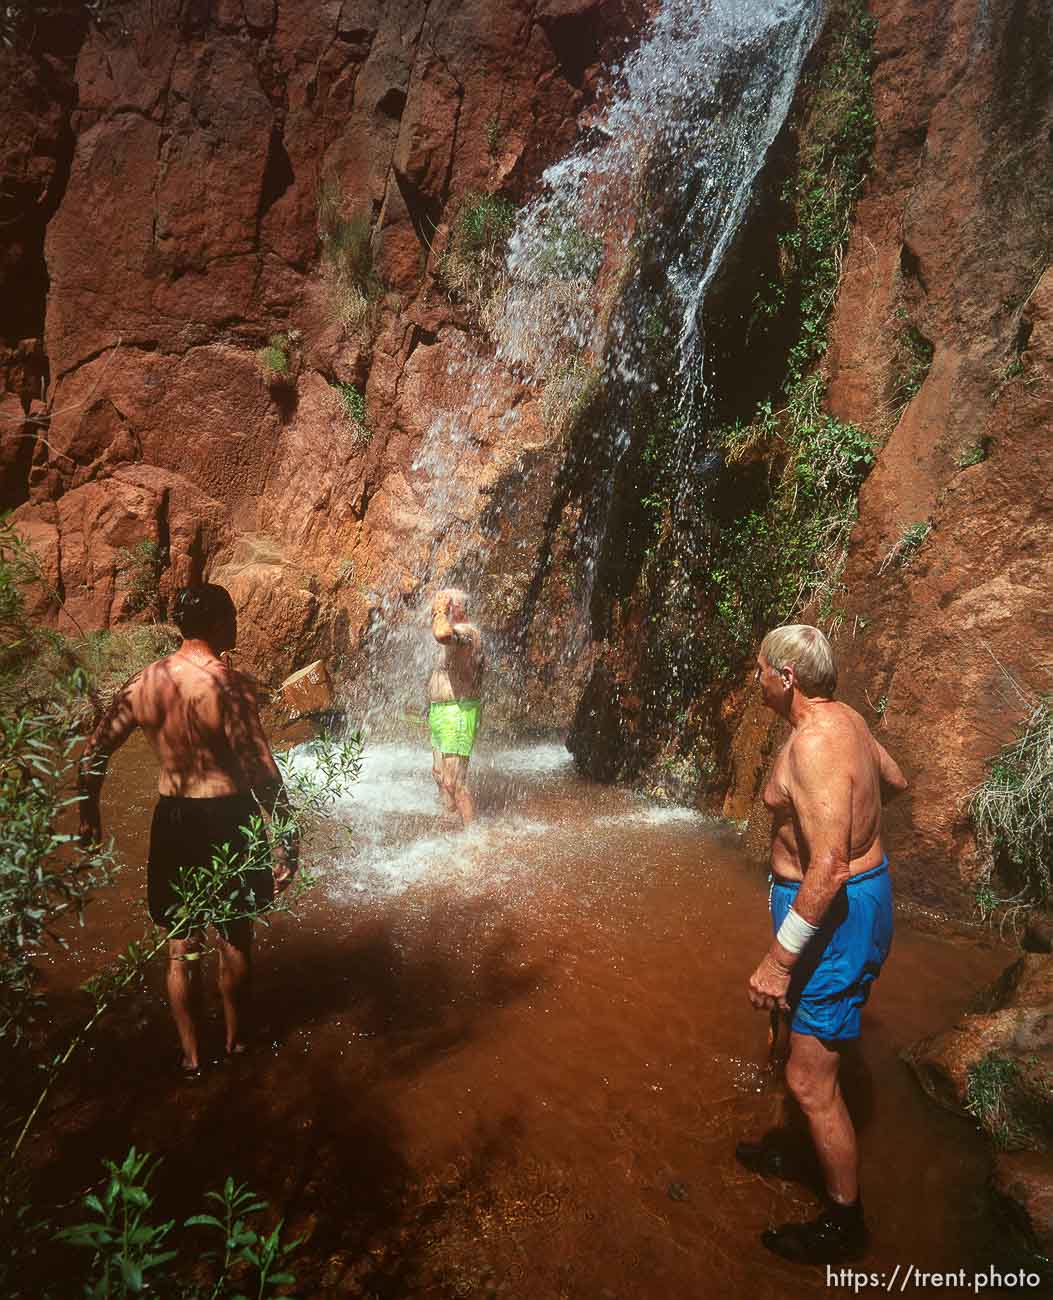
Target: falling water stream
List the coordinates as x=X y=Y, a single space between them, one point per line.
x=685 y=130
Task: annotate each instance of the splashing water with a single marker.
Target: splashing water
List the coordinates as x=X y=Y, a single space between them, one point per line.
x=533 y=822
x=670 y=162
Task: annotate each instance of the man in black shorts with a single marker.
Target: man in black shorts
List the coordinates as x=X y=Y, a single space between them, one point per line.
x=217 y=773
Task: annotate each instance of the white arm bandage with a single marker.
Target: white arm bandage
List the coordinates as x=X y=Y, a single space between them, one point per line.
x=795 y=932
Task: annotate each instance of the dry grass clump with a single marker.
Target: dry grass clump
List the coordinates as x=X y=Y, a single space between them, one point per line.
x=1012 y=811
x=472 y=267
x=354 y=288
x=571 y=386
x=348 y=403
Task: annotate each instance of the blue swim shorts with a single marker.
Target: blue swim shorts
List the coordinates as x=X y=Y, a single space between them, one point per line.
x=832 y=978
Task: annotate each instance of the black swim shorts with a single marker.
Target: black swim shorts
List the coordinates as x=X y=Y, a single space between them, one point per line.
x=187 y=833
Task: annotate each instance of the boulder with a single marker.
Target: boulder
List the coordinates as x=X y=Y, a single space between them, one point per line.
x=1022 y=1182
x=307 y=691
x=1006 y=1035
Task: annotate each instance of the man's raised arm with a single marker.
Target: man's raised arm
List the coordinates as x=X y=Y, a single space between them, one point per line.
x=441 y=627
x=116 y=725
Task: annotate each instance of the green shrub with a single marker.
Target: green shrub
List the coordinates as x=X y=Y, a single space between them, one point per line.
x=273 y=360
x=351 y=405
x=909 y=365
x=133 y=1254
x=1012 y=811
x=142 y=565
x=974 y=454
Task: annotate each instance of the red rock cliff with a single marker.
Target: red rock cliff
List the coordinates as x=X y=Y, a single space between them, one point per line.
x=182 y=155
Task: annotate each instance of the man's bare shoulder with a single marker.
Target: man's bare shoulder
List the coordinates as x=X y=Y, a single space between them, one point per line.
x=823 y=740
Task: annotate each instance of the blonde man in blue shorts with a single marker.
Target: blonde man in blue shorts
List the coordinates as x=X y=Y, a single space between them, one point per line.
x=454 y=705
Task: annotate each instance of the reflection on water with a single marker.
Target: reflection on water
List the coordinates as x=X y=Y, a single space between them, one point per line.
x=515 y=1061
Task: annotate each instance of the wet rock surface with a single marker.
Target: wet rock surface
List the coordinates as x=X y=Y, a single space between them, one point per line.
x=996 y=1065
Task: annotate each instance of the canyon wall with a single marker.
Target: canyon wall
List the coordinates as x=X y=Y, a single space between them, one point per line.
x=213 y=177
x=945 y=648
x=186 y=181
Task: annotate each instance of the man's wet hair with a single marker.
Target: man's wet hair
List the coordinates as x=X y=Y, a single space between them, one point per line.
x=196 y=611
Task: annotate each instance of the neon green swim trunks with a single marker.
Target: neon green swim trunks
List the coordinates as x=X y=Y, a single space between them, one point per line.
x=453 y=725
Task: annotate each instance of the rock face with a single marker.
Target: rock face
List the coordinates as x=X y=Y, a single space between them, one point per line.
x=951 y=241
x=194 y=183
x=1023 y=1183
x=996 y=1064
x=185 y=160
x=949 y=247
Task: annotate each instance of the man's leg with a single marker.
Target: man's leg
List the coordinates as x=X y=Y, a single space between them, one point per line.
x=183 y=982
x=448 y=805
x=839 y=1233
x=454 y=780
x=811 y=1075
x=235 y=978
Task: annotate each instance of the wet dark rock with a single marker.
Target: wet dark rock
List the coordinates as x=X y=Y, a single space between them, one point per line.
x=1022 y=1183
x=1039 y=935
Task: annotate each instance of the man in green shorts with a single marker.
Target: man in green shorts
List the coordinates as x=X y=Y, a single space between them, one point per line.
x=453 y=695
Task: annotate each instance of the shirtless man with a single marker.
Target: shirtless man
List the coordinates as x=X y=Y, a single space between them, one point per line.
x=453 y=699
x=217 y=771
x=831 y=905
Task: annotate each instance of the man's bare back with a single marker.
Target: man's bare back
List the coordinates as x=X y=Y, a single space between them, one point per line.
x=838 y=740
x=202 y=721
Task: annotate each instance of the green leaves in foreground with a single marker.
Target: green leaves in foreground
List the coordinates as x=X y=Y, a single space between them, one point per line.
x=130 y=1251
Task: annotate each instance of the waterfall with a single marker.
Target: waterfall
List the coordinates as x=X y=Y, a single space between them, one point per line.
x=670 y=161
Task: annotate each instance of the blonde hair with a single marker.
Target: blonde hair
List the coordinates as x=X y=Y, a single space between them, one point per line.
x=807 y=651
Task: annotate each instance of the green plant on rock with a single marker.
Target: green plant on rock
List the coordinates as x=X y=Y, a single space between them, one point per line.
x=495 y=135
x=566 y=252
x=910 y=363
x=901 y=554
x=973 y=454
x=1012 y=811
x=348 y=263
x=351 y=404
x=988 y=1099
x=273 y=360
x=142 y=565
x=472 y=265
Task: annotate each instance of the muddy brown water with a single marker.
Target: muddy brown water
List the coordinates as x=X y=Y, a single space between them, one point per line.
x=513 y=1062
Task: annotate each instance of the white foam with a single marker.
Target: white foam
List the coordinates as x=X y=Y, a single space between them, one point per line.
x=654 y=815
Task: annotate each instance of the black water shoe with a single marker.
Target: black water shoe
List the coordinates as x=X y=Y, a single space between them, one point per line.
x=836 y=1236
x=776 y=1155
